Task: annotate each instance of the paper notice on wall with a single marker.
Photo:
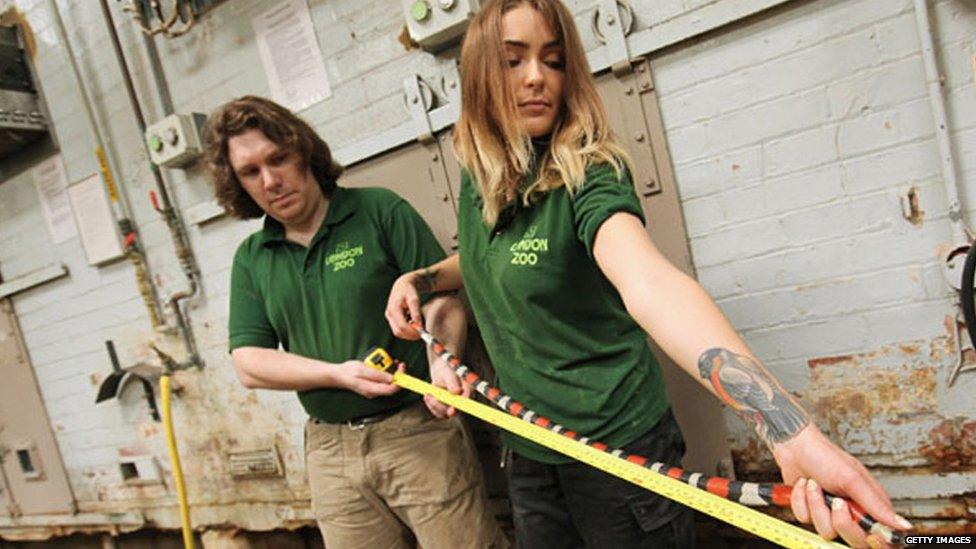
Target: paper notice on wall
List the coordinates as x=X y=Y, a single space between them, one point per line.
x=95 y=222
x=52 y=189
x=291 y=56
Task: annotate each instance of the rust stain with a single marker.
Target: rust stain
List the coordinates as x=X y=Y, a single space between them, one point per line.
x=959 y=527
x=404 y=39
x=951 y=444
x=755 y=463
x=949 y=345
x=958 y=507
x=909 y=349
x=132 y=451
x=829 y=361
x=735 y=167
x=968 y=356
x=855 y=392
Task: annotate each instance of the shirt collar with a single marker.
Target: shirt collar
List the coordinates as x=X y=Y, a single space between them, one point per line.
x=341 y=207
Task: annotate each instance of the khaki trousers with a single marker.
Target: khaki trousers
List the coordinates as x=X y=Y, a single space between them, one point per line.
x=407 y=480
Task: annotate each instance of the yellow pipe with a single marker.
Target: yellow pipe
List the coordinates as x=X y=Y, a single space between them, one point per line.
x=174 y=458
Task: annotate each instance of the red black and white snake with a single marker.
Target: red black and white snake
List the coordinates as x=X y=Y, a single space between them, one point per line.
x=753 y=494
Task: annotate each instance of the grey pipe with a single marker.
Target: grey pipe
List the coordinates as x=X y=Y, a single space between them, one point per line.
x=181 y=241
x=120 y=208
x=937 y=103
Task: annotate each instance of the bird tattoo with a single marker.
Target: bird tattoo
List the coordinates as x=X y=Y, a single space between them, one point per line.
x=744 y=384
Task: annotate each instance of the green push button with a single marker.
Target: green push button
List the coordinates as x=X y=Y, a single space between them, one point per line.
x=420 y=10
x=155 y=143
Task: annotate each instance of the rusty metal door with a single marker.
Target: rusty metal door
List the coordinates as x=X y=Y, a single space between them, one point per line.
x=33 y=480
x=634 y=115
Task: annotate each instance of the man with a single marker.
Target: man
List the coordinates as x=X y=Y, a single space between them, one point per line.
x=314 y=280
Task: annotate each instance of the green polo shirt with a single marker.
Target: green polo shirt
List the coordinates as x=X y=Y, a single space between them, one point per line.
x=326 y=301
x=556 y=329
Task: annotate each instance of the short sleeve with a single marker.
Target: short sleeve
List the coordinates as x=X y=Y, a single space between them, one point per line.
x=248 y=324
x=603 y=194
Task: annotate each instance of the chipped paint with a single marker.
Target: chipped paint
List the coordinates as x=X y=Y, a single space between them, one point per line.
x=888 y=407
x=951 y=444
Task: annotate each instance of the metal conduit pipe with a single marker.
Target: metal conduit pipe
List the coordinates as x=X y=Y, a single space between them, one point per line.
x=181 y=241
x=121 y=211
x=166 y=102
x=156 y=66
x=942 y=138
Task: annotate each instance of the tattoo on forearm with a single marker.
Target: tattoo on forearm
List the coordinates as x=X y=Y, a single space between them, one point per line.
x=426 y=280
x=747 y=387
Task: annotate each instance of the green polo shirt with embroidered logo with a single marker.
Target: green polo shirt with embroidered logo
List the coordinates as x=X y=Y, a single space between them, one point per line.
x=327 y=301
x=556 y=330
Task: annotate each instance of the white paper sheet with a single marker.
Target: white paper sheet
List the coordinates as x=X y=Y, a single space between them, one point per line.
x=291 y=56
x=52 y=189
x=95 y=222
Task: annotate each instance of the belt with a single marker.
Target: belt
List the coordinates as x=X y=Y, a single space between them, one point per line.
x=360 y=422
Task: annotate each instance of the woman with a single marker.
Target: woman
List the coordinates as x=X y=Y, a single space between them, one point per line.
x=565 y=284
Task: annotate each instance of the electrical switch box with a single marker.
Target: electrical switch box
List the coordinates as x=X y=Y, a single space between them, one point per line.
x=176 y=140
x=437 y=24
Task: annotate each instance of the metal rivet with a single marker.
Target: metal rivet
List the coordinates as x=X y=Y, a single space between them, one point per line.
x=639 y=136
x=629 y=91
x=414 y=99
x=434 y=157
x=611 y=20
x=646 y=86
x=444 y=197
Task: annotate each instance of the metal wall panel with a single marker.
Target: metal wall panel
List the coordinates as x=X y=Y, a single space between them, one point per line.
x=33 y=472
x=416 y=173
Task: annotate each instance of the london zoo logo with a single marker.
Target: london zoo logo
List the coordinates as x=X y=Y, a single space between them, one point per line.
x=344 y=256
x=528 y=249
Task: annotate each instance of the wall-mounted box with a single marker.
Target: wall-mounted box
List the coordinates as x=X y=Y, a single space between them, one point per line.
x=437 y=24
x=176 y=140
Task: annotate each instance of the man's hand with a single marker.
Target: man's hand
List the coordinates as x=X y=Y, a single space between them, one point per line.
x=360 y=378
x=811 y=463
x=442 y=375
x=403 y=306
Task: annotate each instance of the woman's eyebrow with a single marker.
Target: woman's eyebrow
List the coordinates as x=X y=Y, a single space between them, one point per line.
x=525 y=45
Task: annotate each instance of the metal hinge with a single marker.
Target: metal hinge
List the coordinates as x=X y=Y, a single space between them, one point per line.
x=612 y=22
x=419 y=99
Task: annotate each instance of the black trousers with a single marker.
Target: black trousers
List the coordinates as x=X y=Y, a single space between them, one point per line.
x=576 y=505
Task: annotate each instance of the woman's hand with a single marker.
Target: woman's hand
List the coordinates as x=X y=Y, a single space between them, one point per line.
x=811 y=464
x=403 y=306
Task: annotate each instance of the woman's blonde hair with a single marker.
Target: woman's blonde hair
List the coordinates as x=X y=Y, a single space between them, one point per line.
x=489 y=140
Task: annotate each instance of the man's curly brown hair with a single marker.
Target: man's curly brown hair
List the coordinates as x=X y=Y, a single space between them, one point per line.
x=278 y=124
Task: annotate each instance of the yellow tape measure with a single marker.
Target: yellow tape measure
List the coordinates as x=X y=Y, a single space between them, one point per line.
x=750 y=520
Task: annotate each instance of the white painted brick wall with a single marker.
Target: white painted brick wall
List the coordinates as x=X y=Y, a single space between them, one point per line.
x=791 y=137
